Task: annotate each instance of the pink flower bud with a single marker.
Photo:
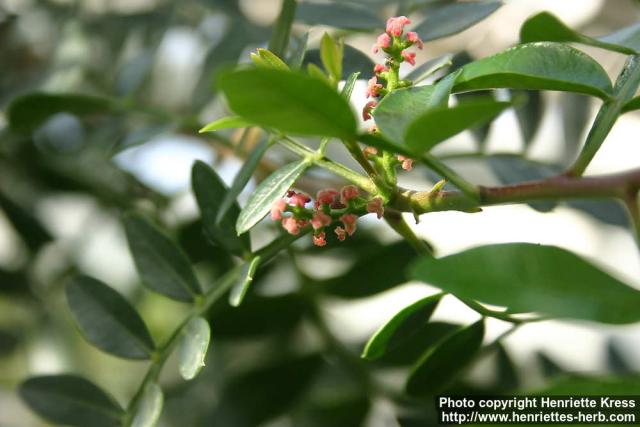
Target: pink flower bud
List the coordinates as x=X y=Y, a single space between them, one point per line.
x=366 y=111
x=415 y=39
x=349 y=221
x=299 y=199
x=291 y=225
x=341 y=233
x=277 y=209
x=347 y=193
x=410 y=57
x=320 y=219
x=373 y=128
x=396 y=25
x=407 y=163
x=327 y=196
x=375 y=206
x=379 y=68
x=373 y=88
x=370 y=151
x=382 y=42
x=319 y=239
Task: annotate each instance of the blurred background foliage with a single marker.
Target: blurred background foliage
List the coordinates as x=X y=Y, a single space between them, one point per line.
x=100 y=106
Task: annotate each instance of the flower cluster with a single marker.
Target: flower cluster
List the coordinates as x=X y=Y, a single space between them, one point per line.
x=372 y=153
x=297 y=211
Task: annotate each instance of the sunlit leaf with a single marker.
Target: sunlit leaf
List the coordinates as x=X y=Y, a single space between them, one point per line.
x=150 y=407
x=194 y=344
x=533 y=278
x=230 y=122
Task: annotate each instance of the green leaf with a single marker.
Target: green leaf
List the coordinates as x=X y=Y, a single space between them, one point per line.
x=375 y=270
x=401 y=327
x=240 y=289
x=297 y=57
x=107 y=320
x=443 y=363
x=267 y=59
x=349 y=84
x=212 y=196
x=163 y=266
x=231 y=122
x=529 y=115
x=339 y=15
x=271 y=189
x=439 y=124
x=28 y=112
x=576 y=112
x=533 y=278
x=290 y=102
x=193 y=347
x=71 y=400
x=537 y=66
x=30 y=229
x=397 y=110
x=454 y=18
x=240 y=182
x=331 y=54
x=616 y=360
x=354 y=61
x=282 y=28
x=547 y=27
x=150 y=407
x=427 y=69
x=634 y=104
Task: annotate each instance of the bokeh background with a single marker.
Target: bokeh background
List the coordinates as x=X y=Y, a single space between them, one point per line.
x=64 y=185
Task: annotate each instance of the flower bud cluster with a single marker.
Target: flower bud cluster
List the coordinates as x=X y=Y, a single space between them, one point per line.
x=297 y=210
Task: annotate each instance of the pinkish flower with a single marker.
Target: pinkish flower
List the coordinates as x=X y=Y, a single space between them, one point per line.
x=277 y=209
x=319 y=239
x=373 y=128
x=347 y=193
x=410 y=57
x=413 y=37
x=327 y=196
x=320 y=219
x=291 y=225
x=370 y=151
x=396 y=25
x=366 y=111
x=349 y=221
x=373 y=89
x=299 y=199
x=379 y=68
x=382 y=42
x=375 y=206
x=407 y=163
x=341 y=233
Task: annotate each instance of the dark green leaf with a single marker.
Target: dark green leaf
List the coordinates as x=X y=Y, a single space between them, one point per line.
x=163 y=266
x=269 y=190
x=533 y=278
x=240 y=181
x=240 y=289
x=107 y=320
x=150 y=407
x=537 y=66
x=547 y=27
x=401 y=327
x=71 y=400
x=211 y=194
x=230 y=122
x=507 y=375
x=28 y=227
x=193 y=347
x=282 y=28
x=443 y=363
x=439 y=124
x=429 y=68
x=290 y=102
x=339 y=15
x=376 y=270
x=575 y=115
x=8 y=342
x=261 y=394
x=530 y=115
x=617 y=362
x=454 y=18
x=28 y=112
x=549 y=367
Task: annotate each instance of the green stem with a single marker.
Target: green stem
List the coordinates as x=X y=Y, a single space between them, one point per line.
x=400 y=226
x=282 y=28
x=450 y=175
x=625 y=88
